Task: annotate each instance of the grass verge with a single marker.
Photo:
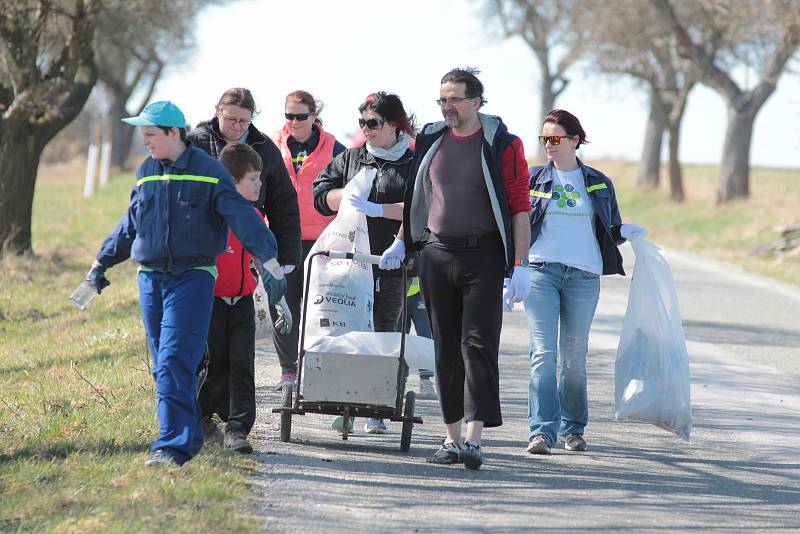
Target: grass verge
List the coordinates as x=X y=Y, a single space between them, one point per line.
x=77 y=401
x=727 y=232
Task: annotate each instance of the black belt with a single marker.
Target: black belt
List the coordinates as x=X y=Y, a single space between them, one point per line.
x=469 y=241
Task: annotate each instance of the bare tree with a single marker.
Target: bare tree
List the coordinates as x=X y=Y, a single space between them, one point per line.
x=761 y=37
x=47 y=71
x=548 y=28
x=627 y=38
x=136 y=41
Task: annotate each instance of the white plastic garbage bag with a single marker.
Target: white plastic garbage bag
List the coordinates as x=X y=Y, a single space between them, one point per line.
x=652 y=366
x=340 y=295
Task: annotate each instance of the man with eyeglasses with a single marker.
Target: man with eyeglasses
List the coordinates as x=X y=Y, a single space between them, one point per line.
x=466 y=208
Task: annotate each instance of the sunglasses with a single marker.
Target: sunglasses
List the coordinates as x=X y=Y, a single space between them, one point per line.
x=552 y=139
x=372 y=124
x=297 y=116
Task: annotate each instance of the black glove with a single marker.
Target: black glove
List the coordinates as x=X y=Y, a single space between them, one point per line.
x=274 y=281
x=96 y=278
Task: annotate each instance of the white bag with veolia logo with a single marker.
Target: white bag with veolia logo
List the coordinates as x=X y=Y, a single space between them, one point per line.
x=340 y=292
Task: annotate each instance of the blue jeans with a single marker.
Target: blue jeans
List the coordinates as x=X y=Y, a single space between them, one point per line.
x=562 y=298
x=176 y=312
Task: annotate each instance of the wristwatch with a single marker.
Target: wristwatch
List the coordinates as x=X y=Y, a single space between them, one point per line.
x=522 y=262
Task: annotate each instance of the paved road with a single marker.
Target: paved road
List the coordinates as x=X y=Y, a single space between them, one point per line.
x=740 y=471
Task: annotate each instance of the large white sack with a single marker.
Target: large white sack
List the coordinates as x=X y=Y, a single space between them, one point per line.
x=418 y=350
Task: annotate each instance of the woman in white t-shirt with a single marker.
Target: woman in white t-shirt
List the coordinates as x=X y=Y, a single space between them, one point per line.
x=575 y=230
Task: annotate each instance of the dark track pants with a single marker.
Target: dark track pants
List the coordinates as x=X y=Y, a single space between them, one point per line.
x=176 y=311
x=230 y=389
x=462 y=288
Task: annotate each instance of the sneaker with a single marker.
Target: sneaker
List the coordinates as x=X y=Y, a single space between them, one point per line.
x=338 y=424
x=236 y=439
x=212 y=435
x=471 y=456
x=538 y=445
x=375 y=426
x=286 y=378
x=447 y=454
x=574 y=442
x=161 y=458
x=426 y=388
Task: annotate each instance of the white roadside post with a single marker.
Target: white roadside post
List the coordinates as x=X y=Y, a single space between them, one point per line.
x=91 y=166
x=105 y=162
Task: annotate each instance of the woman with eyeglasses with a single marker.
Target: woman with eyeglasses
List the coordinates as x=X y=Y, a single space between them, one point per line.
x=277 y=200
x=387 y=127
x=306 y=150
x=576 y=228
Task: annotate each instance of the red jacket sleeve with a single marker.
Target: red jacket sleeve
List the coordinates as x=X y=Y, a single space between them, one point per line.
x=515 y=178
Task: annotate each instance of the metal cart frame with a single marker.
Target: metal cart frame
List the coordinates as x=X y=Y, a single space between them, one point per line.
x=292 y=403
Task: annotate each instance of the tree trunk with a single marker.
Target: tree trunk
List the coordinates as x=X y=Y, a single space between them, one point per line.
x=20 y=156
x=647 y=175
x=675 y=174
x=546 y=103
x=121 y=135
x=734 y=171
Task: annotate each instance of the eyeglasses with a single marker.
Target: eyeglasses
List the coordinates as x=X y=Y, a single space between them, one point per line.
x=297 y=116
x=372 y=124
x=238 y=122
x=553 y=139
x=442 y=102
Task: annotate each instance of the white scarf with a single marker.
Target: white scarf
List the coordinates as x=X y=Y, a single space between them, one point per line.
x=389 y=154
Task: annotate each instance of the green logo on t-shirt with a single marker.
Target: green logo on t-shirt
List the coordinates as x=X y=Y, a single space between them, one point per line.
x=566 y=196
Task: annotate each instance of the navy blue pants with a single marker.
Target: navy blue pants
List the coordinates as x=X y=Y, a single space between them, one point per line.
x=176 y=312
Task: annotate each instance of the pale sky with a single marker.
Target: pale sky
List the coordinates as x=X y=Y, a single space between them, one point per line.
x=342 y=50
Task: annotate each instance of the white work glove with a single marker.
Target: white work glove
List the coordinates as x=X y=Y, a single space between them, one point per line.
x=508 y=295
x=393 y=256
x=287 y=268
x=283 y=324
x=632 y=232
x=370 y=209
x=516 y=288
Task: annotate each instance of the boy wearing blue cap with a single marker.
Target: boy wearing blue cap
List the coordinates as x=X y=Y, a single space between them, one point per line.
x=175 y=227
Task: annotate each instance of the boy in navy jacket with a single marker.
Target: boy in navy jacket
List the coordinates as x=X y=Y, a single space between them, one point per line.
x=175 y=227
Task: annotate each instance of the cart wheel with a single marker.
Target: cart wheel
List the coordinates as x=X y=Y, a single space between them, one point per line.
x=408 y=426
x=286 y=416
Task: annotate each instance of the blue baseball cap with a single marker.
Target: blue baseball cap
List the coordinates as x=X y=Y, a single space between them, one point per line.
x=163 y=113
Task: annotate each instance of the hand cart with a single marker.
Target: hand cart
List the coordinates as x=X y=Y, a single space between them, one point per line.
x=333 y=383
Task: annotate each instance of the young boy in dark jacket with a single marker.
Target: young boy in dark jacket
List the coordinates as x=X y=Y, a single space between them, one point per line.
x=229 y=388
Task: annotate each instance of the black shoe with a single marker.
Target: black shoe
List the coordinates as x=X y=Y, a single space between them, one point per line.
x=574 y=442
x=236 y=439
x=471 y=456
x=447 y=454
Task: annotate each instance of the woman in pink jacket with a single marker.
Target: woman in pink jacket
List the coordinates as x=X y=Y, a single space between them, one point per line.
x=306 y=150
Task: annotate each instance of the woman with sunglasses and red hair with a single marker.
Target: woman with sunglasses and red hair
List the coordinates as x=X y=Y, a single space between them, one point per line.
x=306 y=150
x=576 y=228
x=387 y=128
